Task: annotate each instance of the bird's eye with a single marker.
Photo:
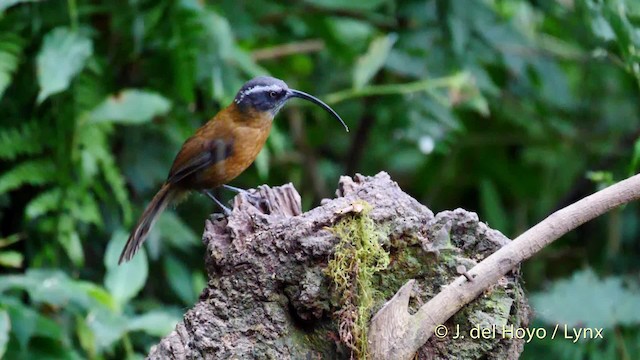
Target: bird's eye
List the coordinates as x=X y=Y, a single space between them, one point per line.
x=273 y=94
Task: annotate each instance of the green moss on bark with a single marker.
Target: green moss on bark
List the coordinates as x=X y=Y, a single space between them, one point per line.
x=357 y=258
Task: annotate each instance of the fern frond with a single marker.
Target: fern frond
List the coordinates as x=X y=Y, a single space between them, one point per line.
x=186 y=43
x=44 y=203
x=30 y=172
x=11 y=46
x=114 y=178
x=24 y=139
x=83 y=206
x=93 y=138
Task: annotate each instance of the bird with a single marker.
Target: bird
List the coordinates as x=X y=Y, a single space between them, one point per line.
x=220 y=150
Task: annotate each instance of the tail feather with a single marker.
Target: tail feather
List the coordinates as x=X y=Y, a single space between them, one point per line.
x=165 y=195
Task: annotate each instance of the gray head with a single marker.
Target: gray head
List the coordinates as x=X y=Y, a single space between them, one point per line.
x=266 y=93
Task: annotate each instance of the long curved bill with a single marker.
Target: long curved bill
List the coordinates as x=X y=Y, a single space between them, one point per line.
x=315 y=100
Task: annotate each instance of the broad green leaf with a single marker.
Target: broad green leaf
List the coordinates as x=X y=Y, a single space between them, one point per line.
x=130 y=106
x=347 y=5
x=171 y=228
x=106 y=326
x=98 y=294
x=21 y=281
x=5 y=4
x=23 y=321
x=126 y=280
x=371 y=62
x=158 y=323
x=53 y=287
x=406 y=160
x=9 y=240
x=601 y=28
x=352 y=33
x=179 y=279
x=46 y=349
x=26 y=322
x=11 y=258
x=219 y=29
x=403 y=63
x=220 y=59
x=62 y=56
x=603 y=302
x=5 y=327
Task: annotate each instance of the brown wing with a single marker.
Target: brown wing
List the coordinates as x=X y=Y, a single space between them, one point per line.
x=197 y=154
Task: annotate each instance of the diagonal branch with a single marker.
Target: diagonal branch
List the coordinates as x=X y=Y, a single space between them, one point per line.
x=416 y=329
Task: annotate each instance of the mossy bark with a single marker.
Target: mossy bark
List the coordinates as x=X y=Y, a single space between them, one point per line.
x=270 y=295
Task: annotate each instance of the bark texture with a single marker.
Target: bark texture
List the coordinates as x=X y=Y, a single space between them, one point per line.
x=270 y=295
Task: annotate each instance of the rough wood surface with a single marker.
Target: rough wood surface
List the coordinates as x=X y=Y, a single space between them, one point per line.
x=269 y=297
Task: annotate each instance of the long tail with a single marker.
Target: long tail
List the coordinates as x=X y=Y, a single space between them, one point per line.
x=165 y=195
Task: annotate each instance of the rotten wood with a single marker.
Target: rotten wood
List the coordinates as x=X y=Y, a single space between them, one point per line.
x=268 y=295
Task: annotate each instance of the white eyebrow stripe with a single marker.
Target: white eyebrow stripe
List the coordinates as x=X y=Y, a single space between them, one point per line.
x=259 y=88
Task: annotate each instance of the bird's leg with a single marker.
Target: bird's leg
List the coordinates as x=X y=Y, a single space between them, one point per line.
x=235 y=189
x=225 y=209
x=254 y=197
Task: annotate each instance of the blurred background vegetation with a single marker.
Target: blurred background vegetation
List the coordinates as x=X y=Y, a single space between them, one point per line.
x=509 y=108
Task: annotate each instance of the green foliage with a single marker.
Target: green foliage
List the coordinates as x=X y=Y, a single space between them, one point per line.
x=513 y=108
x=558 y=304
x=5 y=327
x=347 y=5
x=33 y=172
x=20 y=140
x=357 y=258
x=616 y=313
x=64 y=53
x=10 y=49
x=126 y=280
x=611 y=22
x=371 y=62
x=8 y=3
x=130 y=107
x=10 y=258
x=95 y=310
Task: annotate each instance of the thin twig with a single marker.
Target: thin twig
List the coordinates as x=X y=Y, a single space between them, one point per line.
x=392 y=89
x=300 y=47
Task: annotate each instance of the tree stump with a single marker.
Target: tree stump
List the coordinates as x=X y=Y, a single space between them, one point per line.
x=290 y=285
